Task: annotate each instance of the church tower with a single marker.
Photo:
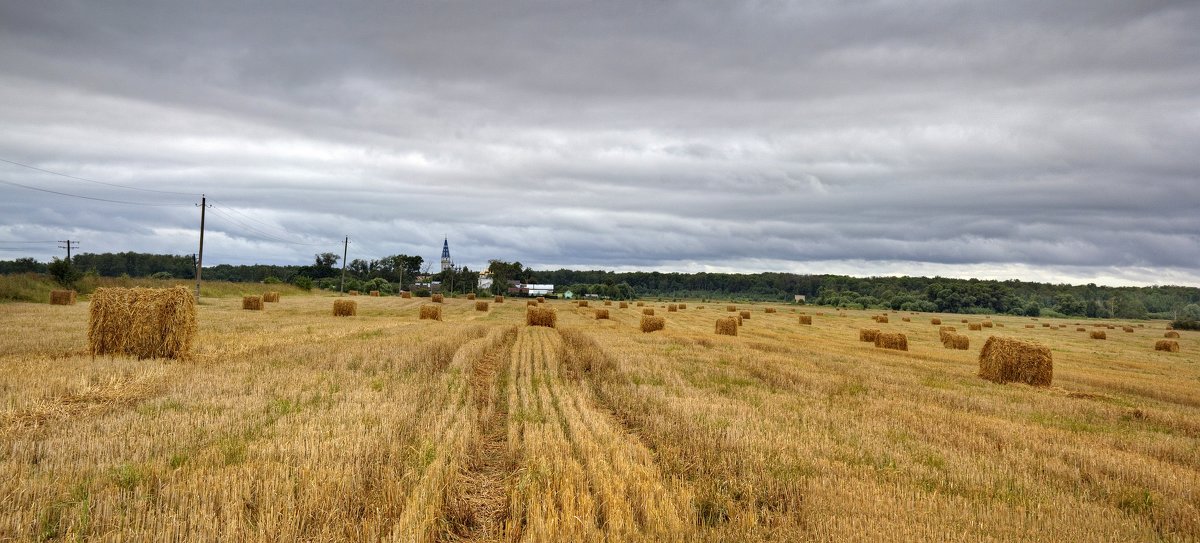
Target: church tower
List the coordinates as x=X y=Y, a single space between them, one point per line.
x=446 y=264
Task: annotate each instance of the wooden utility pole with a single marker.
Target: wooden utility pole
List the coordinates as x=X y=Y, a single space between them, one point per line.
x=345 y=251
x=200 y=255
x=67 y=244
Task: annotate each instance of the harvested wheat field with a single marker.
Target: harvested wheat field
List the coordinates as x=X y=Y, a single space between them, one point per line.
x=291 y=425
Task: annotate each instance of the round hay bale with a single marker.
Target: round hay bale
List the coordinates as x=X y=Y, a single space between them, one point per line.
x=964 y=321
x=671 y=308
x=653 y=324
x=935 y=321
x=531 y=302
x=582 y=303
x=987 y=324
x=682 y=307
x=1128 y=329
x=1171 y=334
x=541 y=316
x=498 y=299
x=769 y=310
x=405 y=294
x=648 y=311
x=353 y=293
x=640 y=304
x=727 y=326
x=481 y=305
x=1098 y=334
x=868 y=334
x=62 y=297
x=1029 y=326
x=437 y=298
x=470 y=295
x=805 y=319
x=142 y=322
x=1005 y=360
x=607 y=303
x=744 y=314
x=1168 y=345
x=375 y=293
x=623 y=305
x=1081 y=329
x=731 y=308
x=345 y=308
x=430 y=312
x=252 y=303
x=271 y=297
x=892 y=340
x=601 y=314
x=956 y=341
x=541 y=299
x=906 y=319
x=974 y=326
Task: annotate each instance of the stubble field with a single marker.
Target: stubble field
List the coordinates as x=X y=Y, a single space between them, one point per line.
x=290 y=424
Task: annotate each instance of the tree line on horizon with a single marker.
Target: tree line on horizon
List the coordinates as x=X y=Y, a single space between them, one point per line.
x=929 y=294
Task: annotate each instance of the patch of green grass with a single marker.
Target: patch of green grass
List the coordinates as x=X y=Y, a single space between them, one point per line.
x=127 y=476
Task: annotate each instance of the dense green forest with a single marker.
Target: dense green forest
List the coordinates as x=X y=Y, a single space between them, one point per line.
x=897 y=293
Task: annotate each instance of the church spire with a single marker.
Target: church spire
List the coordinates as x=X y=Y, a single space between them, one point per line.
x=446 y=263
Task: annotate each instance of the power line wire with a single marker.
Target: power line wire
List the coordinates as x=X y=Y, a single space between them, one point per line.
x=264 y=235
x=149 y=204
x=97 y=182
x=5 y=241
x=227 y=207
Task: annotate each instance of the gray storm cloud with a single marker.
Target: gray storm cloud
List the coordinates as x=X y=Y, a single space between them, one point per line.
x=1041 y=141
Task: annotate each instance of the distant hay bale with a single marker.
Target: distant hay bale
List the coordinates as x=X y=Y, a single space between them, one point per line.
x=1081 y=329
x=946 y=331
x=582 y=303
x=651 y=324
x=744 y=314
x=470 y=295
x=868 y=334
x=727 y=326
x=1005 y=360
x=374 y=293
x=905 y=319
x=1098 y=334
x=62 y=297
x=1168 y=345
x=498 y=299
x=541 y=316
x=974 y=326
x=271 y=297
x=671 y=308
x=892 y=340
x=1045 y=325
x=964 y=321
x=805 y=319
x=987 y=324
x=648 y=311
x=956 y=341
x=1171 y=334
x=607 y=302
x=253 y=303
x=935 y=321
x=682 y=306
x=481 y=306
x=531 y=302
x=601 y=314
x=769 y=310
x=1127 y=329
x=883 y=319
x=142 y=322
x=623 y=305
x=731 y=308
x=405 y=294
x=345 y=308
x=353 y=293
x=1029 y=326
x=430 y=312
x=1111 y=327
x=437 y=298
x=541 y=299
x=699 y=307
x=640 y=304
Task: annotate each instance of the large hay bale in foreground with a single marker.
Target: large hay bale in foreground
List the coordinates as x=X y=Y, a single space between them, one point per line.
x=1171 y=334
x=601 y=314
x=892 y=340
x=470 y=295
x=935 y=321
x=62 y=297
x=345 y=308
x=1098 y=334
x=541 y=316
x=142 y=322
x=271 y=297
x=1005 y=360
x=437 y=298
x=481 y=306
x=868 y=334
x=1168 y=345
x=671 y=308
x=956 y=341
x=651 y=324
x=974 y=326
x=744 y=314
x=727 y=326
x=648 y=311
x=430 y=312
x=623 y=305
x=253 y=303
x=404 y=294
x=805 y=319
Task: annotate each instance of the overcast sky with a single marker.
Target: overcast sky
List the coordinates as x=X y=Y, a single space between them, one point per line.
x=1047 y=141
